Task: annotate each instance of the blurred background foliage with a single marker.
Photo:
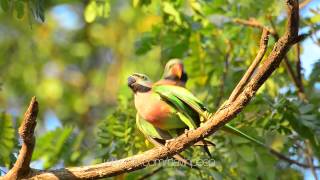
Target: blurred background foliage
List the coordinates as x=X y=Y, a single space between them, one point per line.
x=75 y=56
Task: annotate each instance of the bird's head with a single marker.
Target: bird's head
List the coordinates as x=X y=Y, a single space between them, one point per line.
x=174 y=70
x=139 y=83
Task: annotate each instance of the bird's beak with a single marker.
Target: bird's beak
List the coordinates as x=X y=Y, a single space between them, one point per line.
x=178 y=69
x=131 y=81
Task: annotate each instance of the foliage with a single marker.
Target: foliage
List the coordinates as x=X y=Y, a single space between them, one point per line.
x=117 y=136
x=34 y=8
x=77 y=55
x=59 y=146
x=8 y=141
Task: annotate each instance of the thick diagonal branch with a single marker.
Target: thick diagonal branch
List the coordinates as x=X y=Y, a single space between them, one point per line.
x=295 y=79
x=252 y=22
x=262 y=50
x=21 y=167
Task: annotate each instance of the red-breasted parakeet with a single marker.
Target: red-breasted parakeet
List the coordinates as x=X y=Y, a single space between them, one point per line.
x=164 y=114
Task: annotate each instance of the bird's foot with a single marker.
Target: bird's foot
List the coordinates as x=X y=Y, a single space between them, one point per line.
x=207 y=115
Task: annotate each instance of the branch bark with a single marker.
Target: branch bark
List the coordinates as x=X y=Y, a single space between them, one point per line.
x=308 y=154
x=298 y=84
x=298 y=63
x=189 y=138
x=21 y=167
x=252 y=22
x=304 y=3
x=262 y=50
x=225 y=73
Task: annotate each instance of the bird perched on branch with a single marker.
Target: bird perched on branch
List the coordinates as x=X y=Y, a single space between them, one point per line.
x=174 y=74
x=166 y=110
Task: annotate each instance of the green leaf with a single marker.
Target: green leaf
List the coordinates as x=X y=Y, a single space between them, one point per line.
x=306 y=108
x=106 y=9
x=90 y=12
x=56 y=145
x=170 y=9
x=40 y=9
x=4 y=5
x=138 y=3
x=315 y=19
x=246 y=152
x=7 y=140
x=20 y=9
x=145 y=43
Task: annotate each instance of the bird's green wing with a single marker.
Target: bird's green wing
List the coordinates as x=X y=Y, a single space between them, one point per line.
x=185 y=113
x=183 y=96
x=188 y=98
x=148 y=129
x=154 y=135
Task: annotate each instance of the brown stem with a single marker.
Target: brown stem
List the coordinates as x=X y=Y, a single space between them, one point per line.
x=309 y=158
x=262 y=50
x=293 y=77
x=225 y=73
x=252 y=22
x=290 y=161
x=21 y=167
x=288 y=67
x=298 y=64
x=304 y=3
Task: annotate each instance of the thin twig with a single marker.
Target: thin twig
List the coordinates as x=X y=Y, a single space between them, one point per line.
x=252 y=22
x=308 y=153
x=293 y=77
x=224 y=74
x=21 y=167
x=304 y=3
x=290 y=161
x=262 y=50
x=298 y=63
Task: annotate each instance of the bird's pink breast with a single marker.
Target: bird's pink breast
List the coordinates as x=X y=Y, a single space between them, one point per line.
x=152 y=108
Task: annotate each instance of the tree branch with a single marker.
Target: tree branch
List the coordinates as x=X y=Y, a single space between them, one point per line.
x=21 y=167
x=262 y=50
x=289 y=69
x=308 y=154
x=225 y=73
x=290 y=161
x=189 y=138
x=304 y=3
x=298 y=64
x=242 y=83
x=252 y=22
x=294 y=78
x=298 y=84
